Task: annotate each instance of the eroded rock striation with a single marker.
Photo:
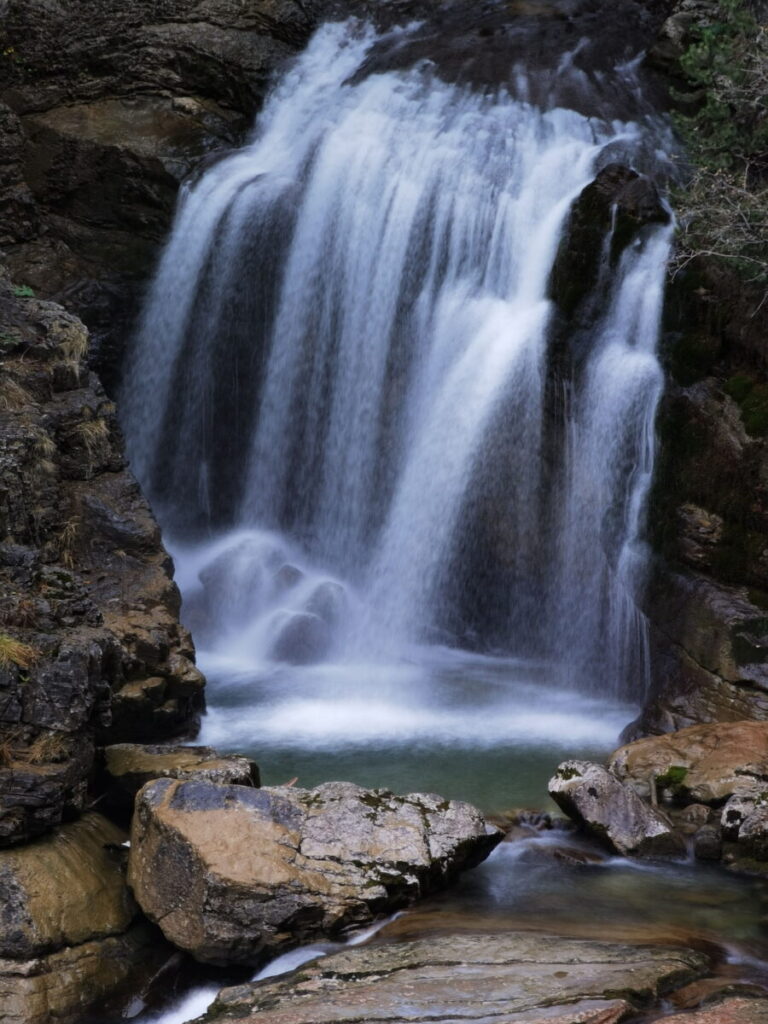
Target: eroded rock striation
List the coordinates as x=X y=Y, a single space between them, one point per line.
x=232 y=873
x=478 y=978
x=90 y=641
x=71 y=931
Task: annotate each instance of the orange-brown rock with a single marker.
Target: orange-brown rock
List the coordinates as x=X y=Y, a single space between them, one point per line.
x=700 y=764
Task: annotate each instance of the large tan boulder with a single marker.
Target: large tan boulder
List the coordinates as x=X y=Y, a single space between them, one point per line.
x=231 y=873
x=700 y=764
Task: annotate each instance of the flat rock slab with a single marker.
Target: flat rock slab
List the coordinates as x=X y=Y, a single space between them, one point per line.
x=702 y=764
x=129 y=766
x=485 y=979
x=232 y=873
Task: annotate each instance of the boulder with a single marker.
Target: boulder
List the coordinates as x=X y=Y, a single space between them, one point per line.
x=737 y=809
x=612 y=811
x=129 y=766
x=502 y=977
x=303 y=638
x=753 y=834
x=701 y=764
x=232 y=873
x=68 y=934
x=709 y=659
x=708 y=843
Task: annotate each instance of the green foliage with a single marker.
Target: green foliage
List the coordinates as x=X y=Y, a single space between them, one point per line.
x=673 y=776
x=724 y=208
x=751 y=396
x=23 y=291
x=727 y=59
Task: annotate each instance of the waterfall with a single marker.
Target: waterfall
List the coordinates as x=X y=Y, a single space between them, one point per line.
x=337 y=399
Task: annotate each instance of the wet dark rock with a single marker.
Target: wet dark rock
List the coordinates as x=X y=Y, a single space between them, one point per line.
x=103 y=112
x=513 y=976
x=708 y=843
x=612 y=811
x=753 y=831
x=708 y=648
x=232 y=873
x=606 y=217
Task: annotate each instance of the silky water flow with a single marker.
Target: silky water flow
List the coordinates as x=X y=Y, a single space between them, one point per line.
x=393 y=554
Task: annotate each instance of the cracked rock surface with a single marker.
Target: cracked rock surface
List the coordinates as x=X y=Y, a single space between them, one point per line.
x=480 y=978
x=232 y=873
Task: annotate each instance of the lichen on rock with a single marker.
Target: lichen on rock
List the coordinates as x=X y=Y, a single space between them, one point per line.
x=233 y=874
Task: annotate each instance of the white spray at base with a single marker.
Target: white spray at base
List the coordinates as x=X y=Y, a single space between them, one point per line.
x=338 y=399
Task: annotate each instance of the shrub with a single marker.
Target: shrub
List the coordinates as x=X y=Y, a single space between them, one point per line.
x=724 y=206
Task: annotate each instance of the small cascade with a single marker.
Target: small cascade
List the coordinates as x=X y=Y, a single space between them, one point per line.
x=339 y=399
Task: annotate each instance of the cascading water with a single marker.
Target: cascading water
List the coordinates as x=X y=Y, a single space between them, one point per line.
x=338 y=405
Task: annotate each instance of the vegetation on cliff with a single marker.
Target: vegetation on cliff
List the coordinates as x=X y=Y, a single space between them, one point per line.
x=724 y=123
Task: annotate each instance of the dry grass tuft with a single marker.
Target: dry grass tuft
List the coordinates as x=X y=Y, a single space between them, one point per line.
x=44 y=446
x=92 y=434
x=47 y=748
x=75 y=347
x=14 y=652
x=12 y=395
x=67 y=541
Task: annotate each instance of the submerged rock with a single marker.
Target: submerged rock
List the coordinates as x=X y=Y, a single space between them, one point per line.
x=231 y=873
x=611 y=811
x=304 y=638
x=509 y=976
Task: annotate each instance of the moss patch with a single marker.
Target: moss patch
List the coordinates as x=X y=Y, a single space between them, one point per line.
x=674 y=776
x=751 y=396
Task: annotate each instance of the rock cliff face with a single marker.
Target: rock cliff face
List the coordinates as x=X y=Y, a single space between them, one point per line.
x=708 y=598
x=90 y=643
x=102 y=114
